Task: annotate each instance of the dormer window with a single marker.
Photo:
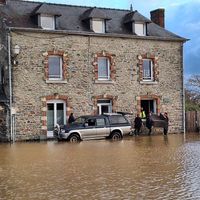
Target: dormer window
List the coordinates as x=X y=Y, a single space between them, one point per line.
x=136 y=23
x=47 y=21
x=95 y=19
x=46 y=16
x=139 y=29
x=98 y=25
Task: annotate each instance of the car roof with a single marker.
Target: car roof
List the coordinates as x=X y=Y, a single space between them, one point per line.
x=105 y=115
x=92 y=116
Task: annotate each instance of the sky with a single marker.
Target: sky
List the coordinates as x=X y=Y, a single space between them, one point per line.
x=182 y=17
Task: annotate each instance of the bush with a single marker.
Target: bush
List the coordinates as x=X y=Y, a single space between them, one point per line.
x=190 y=106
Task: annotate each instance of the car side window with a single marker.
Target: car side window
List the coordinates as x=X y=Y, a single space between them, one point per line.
x=101 y=122
x=117 y=120
x=91 y=122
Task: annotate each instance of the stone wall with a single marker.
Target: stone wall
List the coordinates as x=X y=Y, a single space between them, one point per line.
x=80 y=88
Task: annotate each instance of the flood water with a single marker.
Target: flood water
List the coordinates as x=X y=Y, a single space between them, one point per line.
x=143 y=167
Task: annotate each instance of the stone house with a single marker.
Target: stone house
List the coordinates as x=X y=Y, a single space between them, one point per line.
x=57 y=59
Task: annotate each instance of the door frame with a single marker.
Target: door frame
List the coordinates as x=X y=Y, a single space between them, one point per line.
x=149 y=97
x=55 y=102
x=104 y=104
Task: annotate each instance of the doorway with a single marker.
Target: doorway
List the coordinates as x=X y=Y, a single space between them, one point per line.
x=149 y=106
x=56 y=114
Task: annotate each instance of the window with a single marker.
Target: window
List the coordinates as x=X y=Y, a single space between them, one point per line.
x=103 y=68
x=98 y=25
x=115 y=119
x=147 y=70
x=55 y=68
x=140 y=29
x=47 y=21
x=101 y=122
x=91 y=122
x=104 y=106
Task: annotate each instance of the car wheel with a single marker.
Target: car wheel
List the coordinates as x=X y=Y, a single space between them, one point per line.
x=74 y=138
x=116 y=136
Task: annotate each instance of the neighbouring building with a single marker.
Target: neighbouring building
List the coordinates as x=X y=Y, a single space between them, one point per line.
x=57 y=59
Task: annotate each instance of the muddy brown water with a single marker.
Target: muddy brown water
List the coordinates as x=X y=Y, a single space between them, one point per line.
x=143 y=167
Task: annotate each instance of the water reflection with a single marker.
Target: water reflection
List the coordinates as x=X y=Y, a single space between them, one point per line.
x=154 y=167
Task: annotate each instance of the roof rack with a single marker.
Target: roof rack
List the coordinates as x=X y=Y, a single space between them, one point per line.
x=111 y=113
x=125 y=113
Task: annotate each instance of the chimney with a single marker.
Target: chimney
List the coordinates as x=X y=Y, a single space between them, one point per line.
x=158 y=17
x=2 y=2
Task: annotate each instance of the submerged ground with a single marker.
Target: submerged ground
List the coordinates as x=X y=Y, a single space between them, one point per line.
x=144 y=167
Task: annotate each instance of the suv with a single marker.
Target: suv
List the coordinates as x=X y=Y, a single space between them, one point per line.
x=110 y=125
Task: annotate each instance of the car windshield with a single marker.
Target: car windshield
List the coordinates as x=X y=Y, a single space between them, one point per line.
x=79 y=120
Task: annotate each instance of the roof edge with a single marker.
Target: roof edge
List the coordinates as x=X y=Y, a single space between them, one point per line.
x=67 y=32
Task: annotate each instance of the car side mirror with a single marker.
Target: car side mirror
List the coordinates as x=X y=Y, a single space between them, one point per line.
x=86 y=124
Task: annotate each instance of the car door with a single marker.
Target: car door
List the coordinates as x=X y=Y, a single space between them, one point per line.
x=102 y=130
x=89 y=130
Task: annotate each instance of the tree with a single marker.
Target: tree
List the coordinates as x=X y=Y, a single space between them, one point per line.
x=192 y=93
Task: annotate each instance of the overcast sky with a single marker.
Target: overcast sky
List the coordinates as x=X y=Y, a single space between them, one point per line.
x=181 y=17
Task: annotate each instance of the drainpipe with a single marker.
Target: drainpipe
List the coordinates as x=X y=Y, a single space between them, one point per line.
x=10 y=87
x=183 y=92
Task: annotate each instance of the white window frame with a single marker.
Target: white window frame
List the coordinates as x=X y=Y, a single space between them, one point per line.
x=99 y=105
x=61 y=68
x=139 y=29
x=108 y=68
x=51 y=25
x=148 y=78
x=154 y=106
x=98 y=25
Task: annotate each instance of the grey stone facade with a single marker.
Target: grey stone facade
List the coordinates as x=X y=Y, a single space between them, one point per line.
x=142 y=66
x=31 y=90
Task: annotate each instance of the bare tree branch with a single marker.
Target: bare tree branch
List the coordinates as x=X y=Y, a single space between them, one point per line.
x=193 y=88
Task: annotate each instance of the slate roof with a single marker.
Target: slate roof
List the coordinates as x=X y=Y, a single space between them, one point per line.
x=94 y=13
x=135 y=16
x=46 y=9
x=19 y=14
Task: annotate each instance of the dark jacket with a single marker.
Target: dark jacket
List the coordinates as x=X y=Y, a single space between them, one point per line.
x=149 y=122
x=71 y=119
x=138 y=122
x=166 y=119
